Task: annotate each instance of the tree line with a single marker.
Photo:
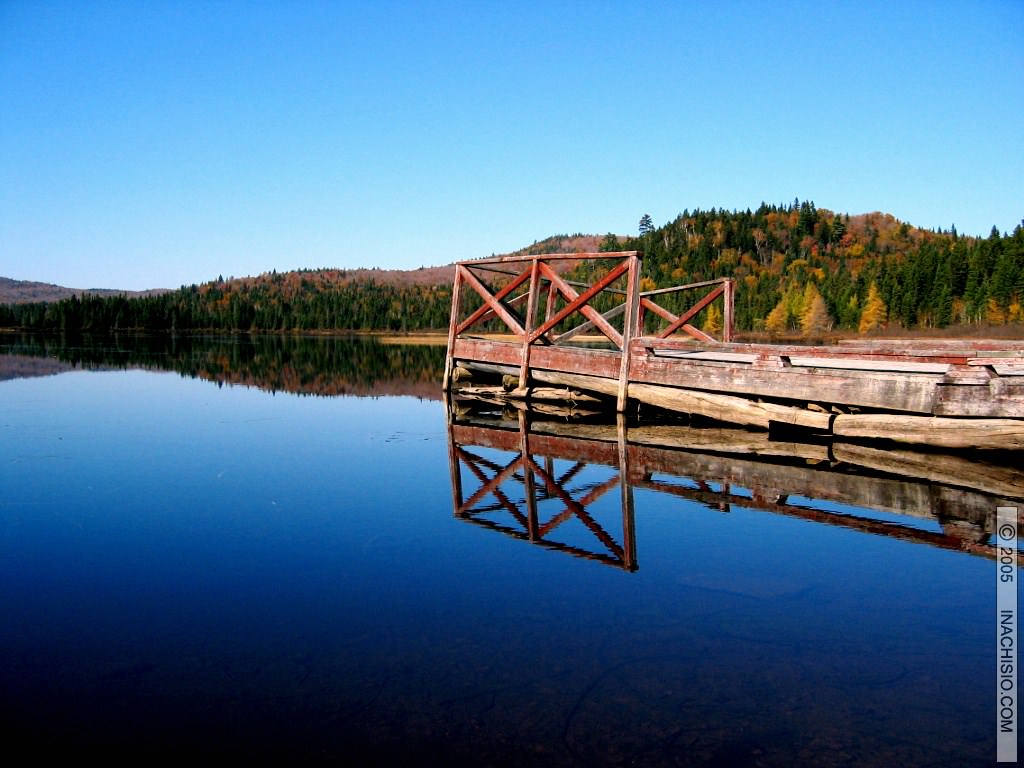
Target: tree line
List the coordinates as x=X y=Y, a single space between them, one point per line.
x=797 y=268
x=295 y=301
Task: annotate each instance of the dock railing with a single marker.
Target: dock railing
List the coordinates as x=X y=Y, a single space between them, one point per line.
x=724 y=287
x=510 y=289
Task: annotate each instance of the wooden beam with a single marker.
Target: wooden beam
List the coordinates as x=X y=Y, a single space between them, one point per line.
x=657 y=309
x=727 y=408
x=691 y=312
x=564 y=337
x=515 y=301
x=453 y=323
x=698 y=334
x=927 y=351
x=996 y=481
x=909 y=393
x=728 y=299
x=632 y=306
x=579 y=303
x=593 y=362
x=626 y=494
x=492 y=301
x=687 y=287
x=590 y=255
x=531 y=309
x=997 y=434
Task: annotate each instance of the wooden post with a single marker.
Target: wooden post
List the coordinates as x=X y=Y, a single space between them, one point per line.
x=549 y=308
x=727 y=300
x=453 y=324
x=529 y=482
x=531 y=309
x=629 y=325
x=626 y=487
x=454 y=464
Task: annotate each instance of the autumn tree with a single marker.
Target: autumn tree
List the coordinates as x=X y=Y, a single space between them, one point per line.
x=815 y=319
x=712 y=320
x=874 y=314
x=778 y=319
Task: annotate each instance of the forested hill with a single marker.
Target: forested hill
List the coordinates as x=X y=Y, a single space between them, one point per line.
x=302 y=300
x=798 y=268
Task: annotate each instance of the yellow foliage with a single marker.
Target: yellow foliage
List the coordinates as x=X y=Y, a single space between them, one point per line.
x=994 y=313
x=647 y=284
x=778 y=318
x=1015 y=312
x=795 y=302
x=727 y=259
x=874 y=313
x=712 y=320
x=959 y=310
x=815 y=318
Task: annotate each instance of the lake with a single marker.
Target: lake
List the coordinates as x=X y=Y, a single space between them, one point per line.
x=291 y=548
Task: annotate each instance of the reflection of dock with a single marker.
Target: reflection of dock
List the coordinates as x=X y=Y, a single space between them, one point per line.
x=540 y=483
x=955 y=395
x=719 y=469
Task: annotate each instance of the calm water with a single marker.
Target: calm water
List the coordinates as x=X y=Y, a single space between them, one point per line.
x=203 y=554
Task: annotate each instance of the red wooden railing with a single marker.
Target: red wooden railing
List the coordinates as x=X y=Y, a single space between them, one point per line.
x=724 y=287
x=512 y=288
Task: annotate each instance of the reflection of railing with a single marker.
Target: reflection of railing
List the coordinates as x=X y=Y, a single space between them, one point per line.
x=511 y=289
x=540 y=483
x=719 y=469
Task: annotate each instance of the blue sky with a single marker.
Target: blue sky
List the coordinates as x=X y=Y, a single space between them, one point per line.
x=164 y=143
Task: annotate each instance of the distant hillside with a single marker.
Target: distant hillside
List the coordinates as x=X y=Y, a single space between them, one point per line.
x=563 y=244
x=404 y=278
x=27 y=291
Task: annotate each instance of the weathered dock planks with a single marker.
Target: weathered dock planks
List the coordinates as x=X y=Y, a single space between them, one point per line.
x=960 y=395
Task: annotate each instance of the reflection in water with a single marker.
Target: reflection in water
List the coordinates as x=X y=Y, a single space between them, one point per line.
x=306 y=365
x=207 y=572
x=944 y=501
x=541 y=485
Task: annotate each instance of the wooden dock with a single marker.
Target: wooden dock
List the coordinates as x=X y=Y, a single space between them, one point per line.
x=531 y=323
